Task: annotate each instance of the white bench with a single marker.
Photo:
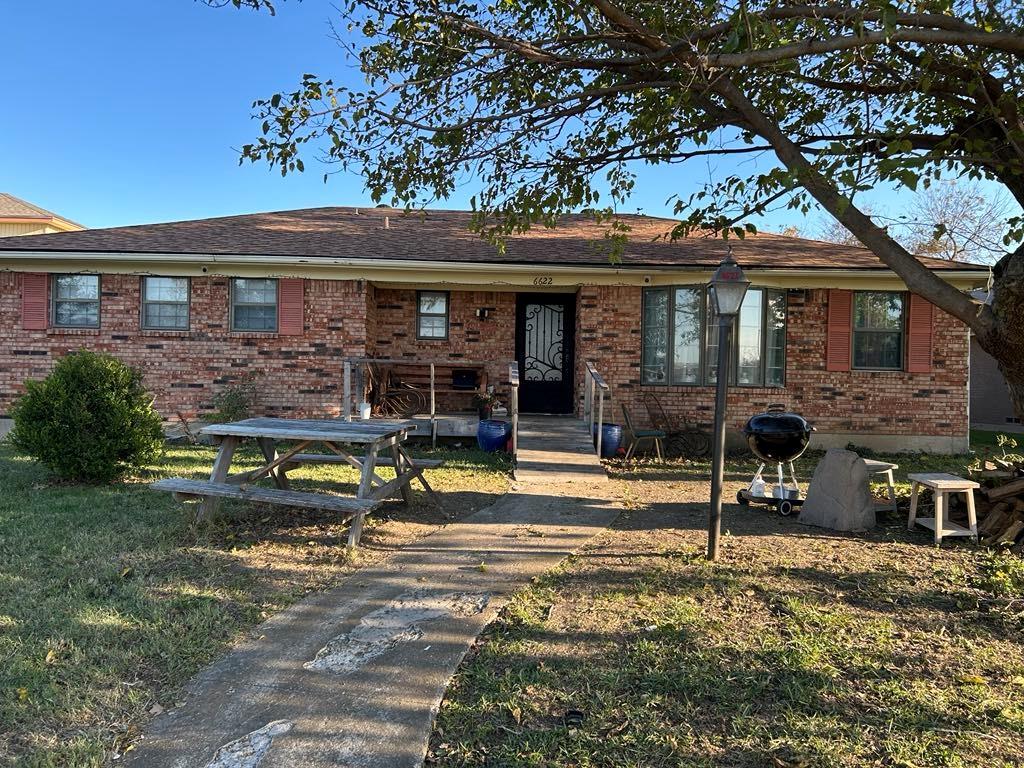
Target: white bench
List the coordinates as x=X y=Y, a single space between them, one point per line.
x=876 y=467
x=942 y=484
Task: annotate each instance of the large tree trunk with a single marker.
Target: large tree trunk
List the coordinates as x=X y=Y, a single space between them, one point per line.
x=1015 y=386
x=1006 y=342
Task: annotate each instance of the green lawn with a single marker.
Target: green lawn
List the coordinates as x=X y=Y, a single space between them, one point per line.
x=801 y=647
x=109 y=602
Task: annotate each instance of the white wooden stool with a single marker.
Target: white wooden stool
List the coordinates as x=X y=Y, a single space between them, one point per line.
x=943 y=484
x=884 y=468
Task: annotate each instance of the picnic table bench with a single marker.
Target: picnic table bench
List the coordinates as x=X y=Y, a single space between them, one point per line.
x=335 y=435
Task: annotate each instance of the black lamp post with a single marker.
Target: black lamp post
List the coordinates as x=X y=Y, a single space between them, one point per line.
x=728 y=287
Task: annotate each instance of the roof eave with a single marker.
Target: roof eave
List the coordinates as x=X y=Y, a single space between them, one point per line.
x=372 y=268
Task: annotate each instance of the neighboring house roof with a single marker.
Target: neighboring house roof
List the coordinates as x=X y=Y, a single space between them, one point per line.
x=444 y=236
x=15 y=209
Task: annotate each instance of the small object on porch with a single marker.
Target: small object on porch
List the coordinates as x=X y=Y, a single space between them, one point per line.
x=637 y=437
x=463 y=378
x=776 y=437
x=611 y=440
x=493 y=436
x=364 y=411
x=333 y=434
x=682 y=438
x=876 y=467
x=942 y=484
x=838 y=497
x=485 y=403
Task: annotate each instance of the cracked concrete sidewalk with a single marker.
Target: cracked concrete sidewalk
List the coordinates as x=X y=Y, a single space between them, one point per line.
x=353 y=677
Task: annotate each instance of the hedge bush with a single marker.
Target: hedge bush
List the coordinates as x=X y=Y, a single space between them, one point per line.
x=90 y=420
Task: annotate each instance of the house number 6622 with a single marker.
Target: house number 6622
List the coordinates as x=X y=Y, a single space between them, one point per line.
x=542 y=281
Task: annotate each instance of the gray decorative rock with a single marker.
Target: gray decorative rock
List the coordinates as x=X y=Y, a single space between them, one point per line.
x=839 y=497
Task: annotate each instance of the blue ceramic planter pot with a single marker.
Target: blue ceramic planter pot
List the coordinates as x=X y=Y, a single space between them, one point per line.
x=493 y=435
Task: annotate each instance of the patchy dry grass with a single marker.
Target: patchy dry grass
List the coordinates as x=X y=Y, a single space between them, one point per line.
x=108 y=602
x=801 y=647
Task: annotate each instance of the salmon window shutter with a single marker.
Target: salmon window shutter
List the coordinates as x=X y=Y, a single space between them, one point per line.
x=920 y=335
x=290 y=306
x=840 y=318
x=35 y=314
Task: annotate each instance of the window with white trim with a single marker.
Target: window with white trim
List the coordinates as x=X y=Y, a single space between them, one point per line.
x=680 y=338
x=254 y=304
x=76 y=301
x=879 y=324
x=165 y=303
x=432 y=315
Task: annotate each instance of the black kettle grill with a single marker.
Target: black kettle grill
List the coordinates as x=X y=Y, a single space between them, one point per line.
x=776 y=437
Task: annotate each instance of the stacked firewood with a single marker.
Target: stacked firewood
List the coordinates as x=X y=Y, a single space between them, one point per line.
x=1001 y=499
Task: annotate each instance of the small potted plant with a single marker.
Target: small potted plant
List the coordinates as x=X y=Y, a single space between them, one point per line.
x=485 y=403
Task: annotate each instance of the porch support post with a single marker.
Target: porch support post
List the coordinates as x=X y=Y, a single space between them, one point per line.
x=590 y=401
x=433 y=410
x=346 y=405
x=361 y=381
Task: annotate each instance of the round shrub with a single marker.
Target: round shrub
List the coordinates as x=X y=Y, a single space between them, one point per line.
x=90 y=420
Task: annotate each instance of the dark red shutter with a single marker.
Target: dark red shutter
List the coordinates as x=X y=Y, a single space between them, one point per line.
x=920 y=334
x=290 y=306
x=840 y=318
x=35 y=314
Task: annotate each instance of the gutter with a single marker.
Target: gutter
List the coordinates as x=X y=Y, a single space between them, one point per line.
x=434 y=265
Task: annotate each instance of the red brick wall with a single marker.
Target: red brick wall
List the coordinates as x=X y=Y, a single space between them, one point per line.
x=850 y=401
x=298 y=375
x=491 y=340
x=301 y=375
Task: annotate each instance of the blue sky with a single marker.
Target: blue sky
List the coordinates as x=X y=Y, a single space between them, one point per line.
x=130 y=111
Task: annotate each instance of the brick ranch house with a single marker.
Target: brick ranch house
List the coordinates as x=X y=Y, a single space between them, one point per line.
x=197 y=305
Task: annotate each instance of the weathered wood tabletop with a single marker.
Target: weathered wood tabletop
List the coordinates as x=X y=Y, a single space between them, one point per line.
x=333 y=434
x=332 y=430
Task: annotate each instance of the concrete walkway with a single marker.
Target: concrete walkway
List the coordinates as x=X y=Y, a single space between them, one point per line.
x=353 y=677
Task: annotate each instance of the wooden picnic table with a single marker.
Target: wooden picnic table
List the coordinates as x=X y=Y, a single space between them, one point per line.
x=336 y=435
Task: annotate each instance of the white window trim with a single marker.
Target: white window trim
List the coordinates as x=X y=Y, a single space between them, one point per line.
x=705 y=331
x=902 y=332
x=233 y=304
x=54 y=300
x=143 y=301
x=446 y=315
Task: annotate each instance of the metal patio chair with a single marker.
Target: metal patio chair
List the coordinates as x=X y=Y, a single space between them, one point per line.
x=638 y=436
x=685 y=439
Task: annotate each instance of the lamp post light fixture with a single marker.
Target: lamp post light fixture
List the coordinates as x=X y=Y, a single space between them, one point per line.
x=728 y=287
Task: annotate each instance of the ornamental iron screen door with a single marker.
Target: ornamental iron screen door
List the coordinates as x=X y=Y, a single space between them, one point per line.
x=545 y=340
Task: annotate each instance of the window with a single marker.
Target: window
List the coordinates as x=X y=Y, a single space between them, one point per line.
x=775 y=340
x=431 y=315
x=76 y=301
x=253 y=304
x=680 y=338
x=654 y=356
x=686 y=313
x=165 y=303
x=878 y=322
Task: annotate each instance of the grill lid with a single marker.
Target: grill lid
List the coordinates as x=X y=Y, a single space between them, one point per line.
x=776 y=421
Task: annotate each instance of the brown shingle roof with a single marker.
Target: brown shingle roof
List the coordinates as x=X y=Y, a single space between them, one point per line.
x=438 y=235
x=12 y=207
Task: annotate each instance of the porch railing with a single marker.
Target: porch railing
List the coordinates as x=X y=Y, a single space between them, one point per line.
x=513 y=405
x=594 y=389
